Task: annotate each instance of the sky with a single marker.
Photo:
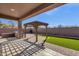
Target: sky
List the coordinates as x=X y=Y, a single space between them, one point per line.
x=66 y=15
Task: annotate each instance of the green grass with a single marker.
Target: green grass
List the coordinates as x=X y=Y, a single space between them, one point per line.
x=65 y=42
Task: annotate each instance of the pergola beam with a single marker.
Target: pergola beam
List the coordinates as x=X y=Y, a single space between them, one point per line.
x=42 y=6
x=41 y=9
x=8 y=17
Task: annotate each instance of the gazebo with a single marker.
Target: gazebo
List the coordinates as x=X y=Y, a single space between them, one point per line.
x=36 y=25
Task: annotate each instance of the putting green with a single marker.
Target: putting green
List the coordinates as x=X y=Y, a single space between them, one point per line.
x=65 y=42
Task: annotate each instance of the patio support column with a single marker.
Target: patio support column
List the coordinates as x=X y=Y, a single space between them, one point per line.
x=25 y=32
x=19 y=29
x=46 y=37
x=36 y=33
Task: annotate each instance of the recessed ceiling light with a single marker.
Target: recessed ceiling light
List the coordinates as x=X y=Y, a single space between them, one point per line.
x=12 y=9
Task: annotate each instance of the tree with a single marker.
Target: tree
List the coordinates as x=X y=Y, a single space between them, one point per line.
x=0 y=24
x=12 y=23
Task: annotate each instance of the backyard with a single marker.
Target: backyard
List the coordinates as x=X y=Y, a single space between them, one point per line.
x=65 y=42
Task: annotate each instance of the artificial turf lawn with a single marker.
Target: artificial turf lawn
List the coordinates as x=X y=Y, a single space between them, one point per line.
x=65 y=42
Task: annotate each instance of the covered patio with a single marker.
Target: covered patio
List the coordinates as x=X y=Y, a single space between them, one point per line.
x=25 y=11
x=20 y=45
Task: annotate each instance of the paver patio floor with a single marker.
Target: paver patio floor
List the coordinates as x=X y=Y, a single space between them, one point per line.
x=20 y=47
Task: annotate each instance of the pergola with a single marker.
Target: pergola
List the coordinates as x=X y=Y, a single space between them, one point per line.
x=36 y=24
x=21 y=11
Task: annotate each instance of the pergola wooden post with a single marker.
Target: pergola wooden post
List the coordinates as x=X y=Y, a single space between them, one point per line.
x=46 y=36
x=36 y=29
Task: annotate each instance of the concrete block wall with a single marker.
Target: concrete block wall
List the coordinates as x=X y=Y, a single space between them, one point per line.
x=73 y=32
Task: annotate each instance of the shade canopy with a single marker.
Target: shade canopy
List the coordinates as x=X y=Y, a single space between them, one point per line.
x=21 y=11
x=36 y=23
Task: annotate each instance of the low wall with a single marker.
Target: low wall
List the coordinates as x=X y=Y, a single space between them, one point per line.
x=61 y=32
x=7 y=30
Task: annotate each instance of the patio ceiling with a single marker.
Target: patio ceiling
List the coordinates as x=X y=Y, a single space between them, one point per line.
x=22 y=11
